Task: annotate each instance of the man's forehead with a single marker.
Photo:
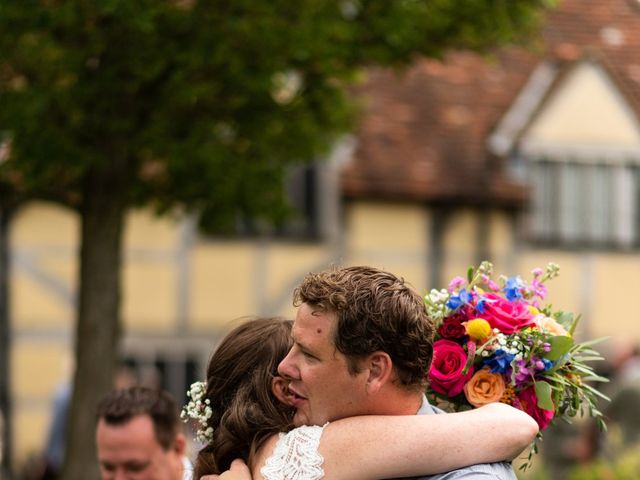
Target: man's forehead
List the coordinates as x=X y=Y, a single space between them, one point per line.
x=309 y=319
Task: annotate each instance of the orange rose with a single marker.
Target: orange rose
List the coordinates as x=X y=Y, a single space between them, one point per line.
x=484 y=387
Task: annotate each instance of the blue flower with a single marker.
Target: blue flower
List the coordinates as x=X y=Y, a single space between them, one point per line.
x=512 y=289
x=480 y=305
x=500 y=361
x=456 y=301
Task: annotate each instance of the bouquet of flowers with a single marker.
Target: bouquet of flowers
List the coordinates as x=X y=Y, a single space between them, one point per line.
x=495 y=341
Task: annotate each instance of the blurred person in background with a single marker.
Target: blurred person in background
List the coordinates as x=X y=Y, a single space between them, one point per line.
x=139 y=436
x=55 y=447
x=623 y=412
x=573 y=447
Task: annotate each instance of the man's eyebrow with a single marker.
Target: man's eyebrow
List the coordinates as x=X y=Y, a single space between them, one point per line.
x=304 y=347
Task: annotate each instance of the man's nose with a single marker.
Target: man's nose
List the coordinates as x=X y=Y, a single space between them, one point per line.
x=120 y=474
x=285 y=368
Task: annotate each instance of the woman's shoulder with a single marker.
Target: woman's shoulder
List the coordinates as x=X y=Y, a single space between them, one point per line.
x=292 y=455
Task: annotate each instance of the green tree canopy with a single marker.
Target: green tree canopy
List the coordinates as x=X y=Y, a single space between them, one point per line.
x=194 y=104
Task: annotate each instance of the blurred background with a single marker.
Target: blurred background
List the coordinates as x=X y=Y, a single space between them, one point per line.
x=418 y=155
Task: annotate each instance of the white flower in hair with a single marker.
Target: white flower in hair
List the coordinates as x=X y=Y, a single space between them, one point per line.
x=199 y=410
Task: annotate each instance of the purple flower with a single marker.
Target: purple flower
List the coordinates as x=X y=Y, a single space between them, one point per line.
x=493 y=286
x=538 y=288
x=522 y=371
x=455 y=283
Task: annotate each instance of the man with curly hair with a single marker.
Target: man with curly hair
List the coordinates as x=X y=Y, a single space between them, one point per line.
x=363 y=344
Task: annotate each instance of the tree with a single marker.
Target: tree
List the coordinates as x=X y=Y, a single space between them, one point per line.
x=197 y=105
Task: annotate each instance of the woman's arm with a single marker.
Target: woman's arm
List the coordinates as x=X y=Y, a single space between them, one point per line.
x=384 y=447
x=370 y=447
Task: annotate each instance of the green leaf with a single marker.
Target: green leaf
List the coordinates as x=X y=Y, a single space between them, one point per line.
x=595 y=392
x=595 y=341
x=564 y=318
x=560 y=345
x=543 y=392
x=574 y=324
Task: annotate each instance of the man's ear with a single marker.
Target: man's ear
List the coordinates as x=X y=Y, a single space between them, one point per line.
x=380 y=368
x=180 y=444
x=280 y=389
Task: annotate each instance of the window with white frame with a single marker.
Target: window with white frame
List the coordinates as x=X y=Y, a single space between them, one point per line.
x=585 y=203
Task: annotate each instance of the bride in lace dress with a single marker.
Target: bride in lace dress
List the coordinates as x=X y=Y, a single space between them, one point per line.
x=249 y=422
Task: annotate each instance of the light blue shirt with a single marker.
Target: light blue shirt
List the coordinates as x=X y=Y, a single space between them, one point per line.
x=500 y=470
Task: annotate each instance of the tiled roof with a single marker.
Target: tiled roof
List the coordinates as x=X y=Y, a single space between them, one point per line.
x=423 y=134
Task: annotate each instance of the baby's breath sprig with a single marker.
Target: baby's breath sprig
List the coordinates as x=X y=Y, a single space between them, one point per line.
x=436 y=302
x=199 y=410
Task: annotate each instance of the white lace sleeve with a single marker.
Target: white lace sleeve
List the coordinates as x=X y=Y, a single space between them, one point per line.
x=296 y=456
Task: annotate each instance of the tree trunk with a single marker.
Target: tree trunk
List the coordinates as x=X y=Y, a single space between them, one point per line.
x=98 y=316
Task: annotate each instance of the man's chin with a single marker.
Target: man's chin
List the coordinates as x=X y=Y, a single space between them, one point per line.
x=299 y=419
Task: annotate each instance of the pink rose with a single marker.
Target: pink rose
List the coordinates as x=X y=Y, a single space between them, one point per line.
x=452 y=328
x=506 y=316
x=527 y=401
x=446 y=375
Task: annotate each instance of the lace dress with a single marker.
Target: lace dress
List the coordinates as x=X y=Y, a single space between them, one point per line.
x=296 y=456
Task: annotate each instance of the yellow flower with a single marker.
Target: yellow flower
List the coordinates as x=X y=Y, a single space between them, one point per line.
x=507 y=396
x=533 y=310
x=478 y=329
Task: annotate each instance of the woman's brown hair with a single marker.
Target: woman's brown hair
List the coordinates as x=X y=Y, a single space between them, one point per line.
x=239 y=377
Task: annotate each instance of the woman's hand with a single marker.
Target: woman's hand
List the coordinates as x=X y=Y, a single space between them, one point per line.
x=237 y=471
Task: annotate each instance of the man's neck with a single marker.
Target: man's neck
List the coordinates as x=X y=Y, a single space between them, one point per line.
x=396 y=402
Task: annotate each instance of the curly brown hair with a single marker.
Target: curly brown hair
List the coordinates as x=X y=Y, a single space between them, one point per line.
x=376 y=311
x=245 y=412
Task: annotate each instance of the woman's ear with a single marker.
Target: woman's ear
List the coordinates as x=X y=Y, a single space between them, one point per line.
x=280 y=389
x=380 y=368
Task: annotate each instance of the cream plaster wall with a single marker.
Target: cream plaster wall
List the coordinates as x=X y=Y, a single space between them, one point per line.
x=615 y=285
x=221 y=289
x=394 y=237
x=38 y=366
x=587 y=108
x=149 y=299
x=42 y=223
x=244 y=278
x=147 y=231
x=461 y=231
x=34 y=306
x=285 y=266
